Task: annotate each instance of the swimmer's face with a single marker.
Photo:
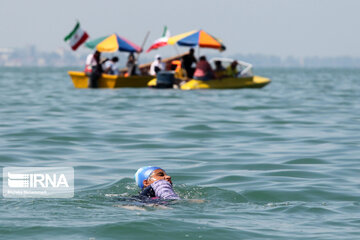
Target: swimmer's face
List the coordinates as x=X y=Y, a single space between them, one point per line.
x=157 y=175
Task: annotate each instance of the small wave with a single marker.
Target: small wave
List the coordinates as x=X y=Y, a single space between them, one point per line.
x=306 y=161
x=198 y=127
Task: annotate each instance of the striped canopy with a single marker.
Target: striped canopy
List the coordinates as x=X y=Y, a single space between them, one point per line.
x=197 y=38
x=113 y=43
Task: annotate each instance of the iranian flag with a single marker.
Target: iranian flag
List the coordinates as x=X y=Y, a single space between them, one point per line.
x=160 y=42
x=77 y=37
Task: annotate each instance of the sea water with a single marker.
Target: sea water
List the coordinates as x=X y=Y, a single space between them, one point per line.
x=281 y=162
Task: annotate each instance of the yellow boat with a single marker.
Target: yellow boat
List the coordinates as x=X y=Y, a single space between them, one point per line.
x=226 y=83
x=81 y=80
x=246 y=79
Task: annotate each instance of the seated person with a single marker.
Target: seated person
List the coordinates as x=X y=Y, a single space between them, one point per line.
x=203 y=70
x=231 y=70
x=110 y=66
x=156 y=66
x=154 y=184
x=131 y=65
x=179 y=71
x=219 y=70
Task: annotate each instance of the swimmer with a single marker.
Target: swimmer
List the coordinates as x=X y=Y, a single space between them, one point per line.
x=156 y=191
x=155 y=184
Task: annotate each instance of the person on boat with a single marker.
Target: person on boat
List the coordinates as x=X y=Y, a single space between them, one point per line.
x=203 y=70
x=131 y=65
x=231 y=70
x=90 y=62
x=220 y=71
x=179 y=70
x=110 y=66
x=156 y=66
x=189 y=60
x=180 y=73
x=96 y=70
x=154 y=184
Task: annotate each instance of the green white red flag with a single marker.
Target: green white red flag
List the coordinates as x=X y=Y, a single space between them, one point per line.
x=77 y=37
x=160 y=42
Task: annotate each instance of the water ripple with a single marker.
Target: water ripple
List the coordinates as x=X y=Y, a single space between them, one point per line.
x=274 y=163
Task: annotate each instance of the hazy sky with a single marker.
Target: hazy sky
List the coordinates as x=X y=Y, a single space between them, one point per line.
x=278 y=27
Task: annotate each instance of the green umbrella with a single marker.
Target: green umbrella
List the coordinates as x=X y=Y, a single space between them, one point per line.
x=92 y=44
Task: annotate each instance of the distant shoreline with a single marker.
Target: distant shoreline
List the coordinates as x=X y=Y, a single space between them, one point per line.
x=31 y=57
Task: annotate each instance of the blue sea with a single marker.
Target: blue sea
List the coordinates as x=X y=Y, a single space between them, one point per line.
x=281 y=162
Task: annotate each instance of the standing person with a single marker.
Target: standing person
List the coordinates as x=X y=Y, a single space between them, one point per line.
x=96 y=69
x=156 y=66
x=203 y=70
x=110 y=66
x=131 y=65
x=189 y=60
x=90 y=61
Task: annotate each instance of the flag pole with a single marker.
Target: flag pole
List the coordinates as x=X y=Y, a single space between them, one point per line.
x=143 y=44
x=176 y=49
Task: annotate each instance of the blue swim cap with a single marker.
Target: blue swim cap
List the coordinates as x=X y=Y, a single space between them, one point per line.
x=143 y=174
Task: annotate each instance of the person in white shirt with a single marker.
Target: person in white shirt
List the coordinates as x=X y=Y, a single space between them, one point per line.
x=96 y=70
x=91 y=61
x=156 y=66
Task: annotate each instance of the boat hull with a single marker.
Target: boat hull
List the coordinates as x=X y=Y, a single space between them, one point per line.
x=81 y=80
x=227 y=83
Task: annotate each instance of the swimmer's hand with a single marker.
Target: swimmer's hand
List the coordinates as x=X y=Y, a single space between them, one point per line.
x=163 y=189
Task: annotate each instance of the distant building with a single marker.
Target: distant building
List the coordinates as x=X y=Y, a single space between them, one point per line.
x=62 y=57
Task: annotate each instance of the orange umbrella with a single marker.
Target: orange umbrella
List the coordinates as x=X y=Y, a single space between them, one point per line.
x=197 y=38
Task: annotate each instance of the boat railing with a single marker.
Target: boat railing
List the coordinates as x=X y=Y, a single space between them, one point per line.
x=247 y=69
